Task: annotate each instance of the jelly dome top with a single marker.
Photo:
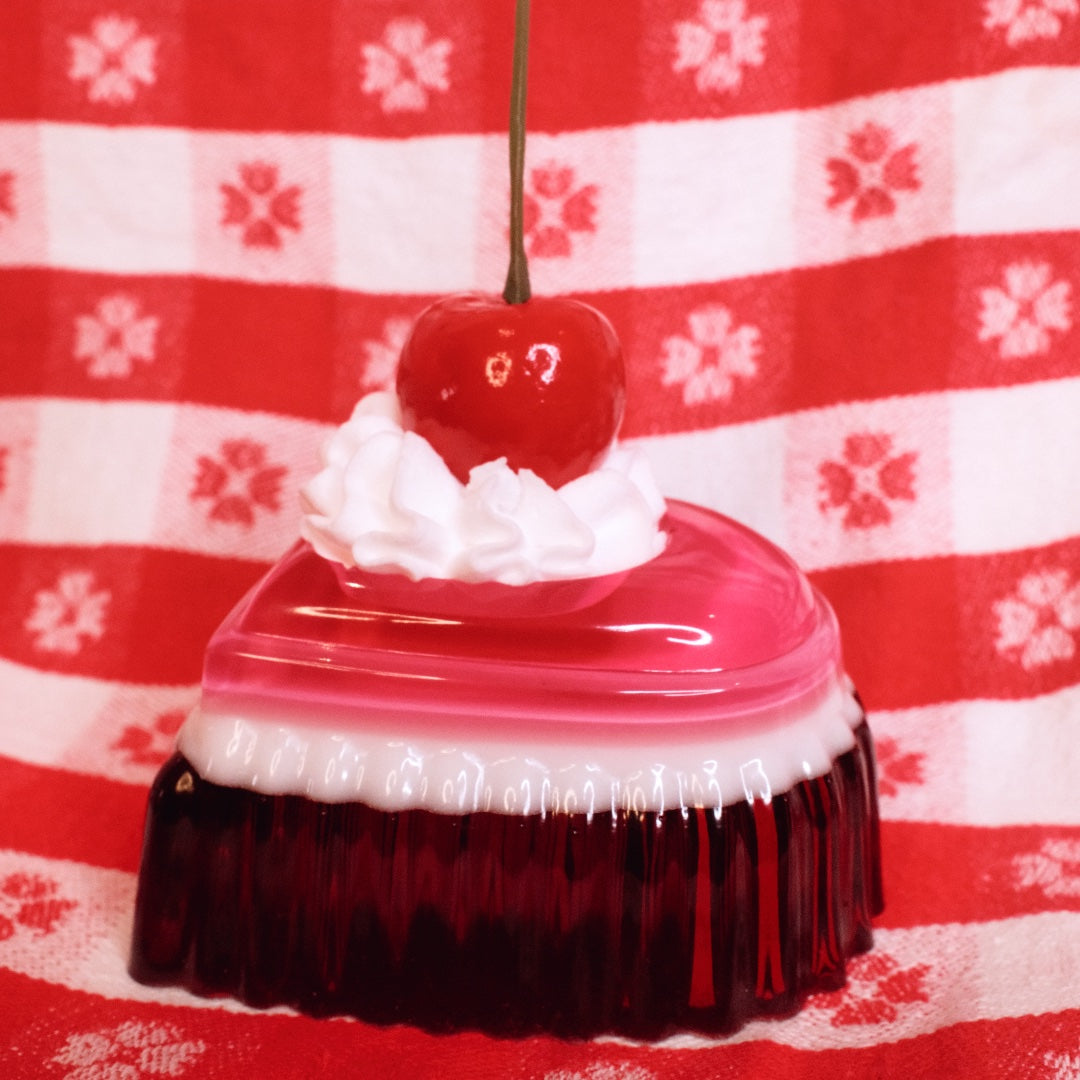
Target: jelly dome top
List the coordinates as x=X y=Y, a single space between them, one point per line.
x=721 y=623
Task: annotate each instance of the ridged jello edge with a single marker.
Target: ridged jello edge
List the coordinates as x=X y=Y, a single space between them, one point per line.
x=272 y=750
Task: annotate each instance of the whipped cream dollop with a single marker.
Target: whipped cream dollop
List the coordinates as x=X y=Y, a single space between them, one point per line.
x=385 y=501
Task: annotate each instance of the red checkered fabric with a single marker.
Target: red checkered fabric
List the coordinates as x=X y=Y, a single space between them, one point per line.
x=839 y=239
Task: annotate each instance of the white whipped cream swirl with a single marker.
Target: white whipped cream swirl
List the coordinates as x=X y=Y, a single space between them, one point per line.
x=385 y=501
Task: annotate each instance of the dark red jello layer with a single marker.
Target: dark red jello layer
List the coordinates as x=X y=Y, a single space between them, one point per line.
x=638 y=924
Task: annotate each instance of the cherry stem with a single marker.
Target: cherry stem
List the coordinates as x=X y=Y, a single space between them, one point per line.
x=517 y=289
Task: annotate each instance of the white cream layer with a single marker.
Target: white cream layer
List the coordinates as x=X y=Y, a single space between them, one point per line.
x=385 y=501
x=274 y=755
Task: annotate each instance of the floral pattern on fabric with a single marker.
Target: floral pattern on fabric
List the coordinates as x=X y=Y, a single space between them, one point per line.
x=556 y=208
x=868 y=482
x=1064 y=1066
x=1054 y=869
x=31 y=902
x=115 y=336
x=7 y=195
x=69 y=614
x=261 y=208
x=150 y=744
x=239 y=482
x=405 y=67
x=115 y=59
x=1028 y=20
x=873 y=174
x=878 y=990
x=1024 y=314
x=896 y=768
x=132 y=1051
x=719 y=44
x=602 y=1071
x=381 y=355
x=709 y=361
x=1036 y=625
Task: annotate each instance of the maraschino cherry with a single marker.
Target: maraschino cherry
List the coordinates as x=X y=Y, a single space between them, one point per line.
x=539 y=383
x=537 y=380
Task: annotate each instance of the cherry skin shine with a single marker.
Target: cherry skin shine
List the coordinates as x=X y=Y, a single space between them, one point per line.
x=540 y=383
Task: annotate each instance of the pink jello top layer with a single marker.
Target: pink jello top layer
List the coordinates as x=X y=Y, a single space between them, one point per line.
x=721 y=629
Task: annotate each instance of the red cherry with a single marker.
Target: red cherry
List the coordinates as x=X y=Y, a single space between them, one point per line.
x=539 y=383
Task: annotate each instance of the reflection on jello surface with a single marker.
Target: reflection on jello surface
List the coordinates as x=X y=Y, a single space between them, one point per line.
x=719 y=610
x=457 y=764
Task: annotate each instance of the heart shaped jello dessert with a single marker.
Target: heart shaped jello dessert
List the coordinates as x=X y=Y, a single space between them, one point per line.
x=420 y=786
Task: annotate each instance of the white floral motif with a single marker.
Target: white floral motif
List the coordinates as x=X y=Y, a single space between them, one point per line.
x=132 y=1051
x=716 y=353
x=113 y=59
x=405 y=66
x=1036 y=624
x=115 y=336
x=1028 y=20
x=381 y=354
x=1065 y=1066
x=603 y=1072
x=720 y=44
x=1054 y=869
x=1022 y=315
x=66 y=614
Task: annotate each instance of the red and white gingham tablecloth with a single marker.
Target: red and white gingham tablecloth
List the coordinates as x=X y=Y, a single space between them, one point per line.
x=840 y=240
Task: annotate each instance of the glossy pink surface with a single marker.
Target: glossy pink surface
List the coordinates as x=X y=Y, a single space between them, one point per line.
x=719 y=626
